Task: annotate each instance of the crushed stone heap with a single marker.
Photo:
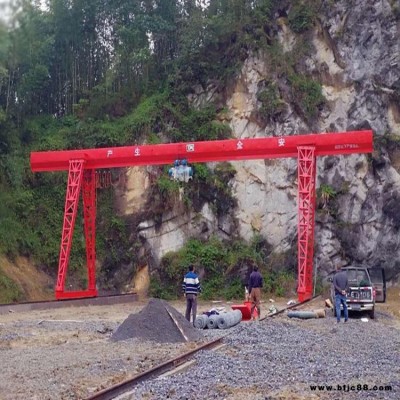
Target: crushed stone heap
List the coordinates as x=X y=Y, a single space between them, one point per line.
x=159 y=322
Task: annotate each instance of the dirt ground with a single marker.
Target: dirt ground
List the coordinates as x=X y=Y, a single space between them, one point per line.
x=34 y=283
x=118 y=313
x=392 y=305
x=65 y=353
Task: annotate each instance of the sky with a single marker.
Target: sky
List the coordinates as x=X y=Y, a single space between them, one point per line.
x=5 y=8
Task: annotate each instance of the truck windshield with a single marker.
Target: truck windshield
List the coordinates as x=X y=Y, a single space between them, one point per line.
x=358 y=277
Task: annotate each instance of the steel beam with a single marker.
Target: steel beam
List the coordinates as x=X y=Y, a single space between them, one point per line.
x=218 y=150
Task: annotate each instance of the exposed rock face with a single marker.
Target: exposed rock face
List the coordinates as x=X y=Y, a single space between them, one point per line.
x=266 y=196
x=357 y=59
x=131 y=190
x=176 y=228
x=367 y=41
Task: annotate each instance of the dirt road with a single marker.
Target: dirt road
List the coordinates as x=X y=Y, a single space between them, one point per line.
x=66 y=353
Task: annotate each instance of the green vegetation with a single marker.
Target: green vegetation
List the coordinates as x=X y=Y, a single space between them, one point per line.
x=288 y=70
x=308 y=95
x=327 y=199
x=320 y=288
x=207 y=186
x=388 y=141
x=326 y=193
x=272 y=104
x=223 y=267
x=281 y=283
x=395 y=8
x=302 y=15
x=66 y=82
x=9 y=290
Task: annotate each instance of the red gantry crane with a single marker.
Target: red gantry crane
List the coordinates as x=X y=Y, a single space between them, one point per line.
x=82 y=164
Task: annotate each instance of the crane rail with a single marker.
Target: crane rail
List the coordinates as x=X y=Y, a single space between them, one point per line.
x=53 y=304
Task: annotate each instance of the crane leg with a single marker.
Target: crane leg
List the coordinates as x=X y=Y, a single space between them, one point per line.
x=306 y=206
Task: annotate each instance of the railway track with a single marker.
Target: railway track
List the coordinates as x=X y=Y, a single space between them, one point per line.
x=53 y=304
x=128 y=385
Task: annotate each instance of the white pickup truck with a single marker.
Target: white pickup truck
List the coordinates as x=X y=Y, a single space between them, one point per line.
x=362 y=291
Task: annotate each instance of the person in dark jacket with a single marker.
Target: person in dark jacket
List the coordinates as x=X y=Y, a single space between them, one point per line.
x=340 y=283
x=191 y=288
x=255 y=285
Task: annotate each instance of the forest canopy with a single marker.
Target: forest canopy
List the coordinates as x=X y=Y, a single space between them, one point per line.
x=79 y=52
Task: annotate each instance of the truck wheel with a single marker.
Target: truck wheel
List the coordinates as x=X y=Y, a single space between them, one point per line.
x=372 y=313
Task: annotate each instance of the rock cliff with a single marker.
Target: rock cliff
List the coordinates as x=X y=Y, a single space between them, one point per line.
x=354 y=53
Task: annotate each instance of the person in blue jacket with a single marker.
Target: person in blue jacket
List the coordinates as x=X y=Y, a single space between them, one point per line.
x=191 y=288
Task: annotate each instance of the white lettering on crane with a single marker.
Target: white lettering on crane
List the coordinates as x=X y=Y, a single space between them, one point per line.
x=281 y=141
x=137 y=151
x=109 y=153
x=239 y=145
x=190 y=147
x=346 y=146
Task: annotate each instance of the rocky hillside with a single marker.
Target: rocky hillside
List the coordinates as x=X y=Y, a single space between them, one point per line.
x=354 y=52
x=101 y=74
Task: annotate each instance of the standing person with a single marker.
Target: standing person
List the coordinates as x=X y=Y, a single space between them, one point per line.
x=191 y=288
x=255 y=285
x=340 y=284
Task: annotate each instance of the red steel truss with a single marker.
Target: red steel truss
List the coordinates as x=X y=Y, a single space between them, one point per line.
x=81 y=166
x=75 y=176
x=306 y=176
x=89 y=219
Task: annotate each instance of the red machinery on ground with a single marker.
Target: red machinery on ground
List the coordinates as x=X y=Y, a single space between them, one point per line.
x=82 y=164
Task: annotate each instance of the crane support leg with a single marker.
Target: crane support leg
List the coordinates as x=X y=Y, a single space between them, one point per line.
x=75 y=175
x=89 y=217
x=306 y=198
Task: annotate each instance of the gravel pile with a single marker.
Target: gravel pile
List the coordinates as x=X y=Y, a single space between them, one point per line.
x=158 y=322
x=267 y=359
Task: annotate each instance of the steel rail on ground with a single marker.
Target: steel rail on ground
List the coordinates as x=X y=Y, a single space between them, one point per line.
x=53 y=304
x=129 y=384
x=123 y=387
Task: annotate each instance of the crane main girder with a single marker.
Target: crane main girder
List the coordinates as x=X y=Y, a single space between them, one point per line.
x=218 y=150
x=81 y=166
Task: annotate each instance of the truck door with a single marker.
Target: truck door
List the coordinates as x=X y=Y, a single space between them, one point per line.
x=377 y=276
